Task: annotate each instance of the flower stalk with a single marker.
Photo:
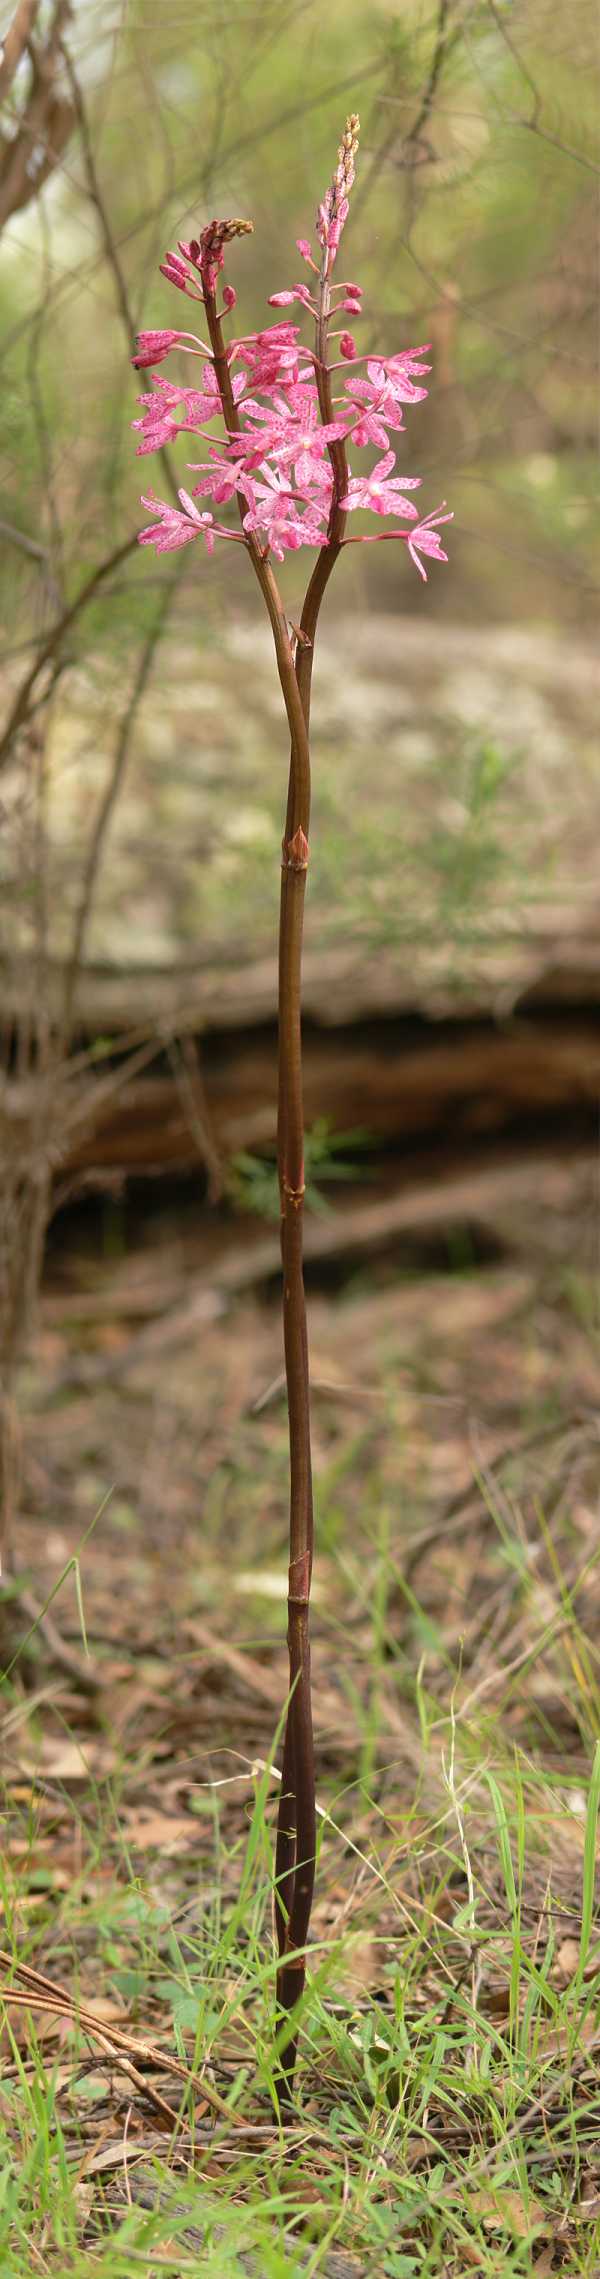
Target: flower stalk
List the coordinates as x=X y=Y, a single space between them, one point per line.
x=282 y=457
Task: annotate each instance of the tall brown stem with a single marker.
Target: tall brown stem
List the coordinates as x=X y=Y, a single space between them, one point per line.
x=296 y=1832
x=295 y=1849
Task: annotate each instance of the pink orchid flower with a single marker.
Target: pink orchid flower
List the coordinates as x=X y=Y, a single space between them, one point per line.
x=426 y=540
x=278 y=431
x=276 y=513
x=159 y=423
x=393 y=373
x=173 y=527
x=221 y=478
x=381 y=491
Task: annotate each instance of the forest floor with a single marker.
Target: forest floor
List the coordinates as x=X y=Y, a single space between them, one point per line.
x=448 y=2107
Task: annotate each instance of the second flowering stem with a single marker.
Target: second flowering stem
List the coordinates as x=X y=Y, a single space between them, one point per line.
x=295 y=1850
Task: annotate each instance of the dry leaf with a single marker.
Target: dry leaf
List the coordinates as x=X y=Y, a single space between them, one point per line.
x=505 y=2210
x=83 y=2197
x=360 y=1965
x=161 y=1831
x=566 y=1960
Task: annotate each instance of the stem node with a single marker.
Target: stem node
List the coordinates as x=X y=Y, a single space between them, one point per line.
x=295 y=851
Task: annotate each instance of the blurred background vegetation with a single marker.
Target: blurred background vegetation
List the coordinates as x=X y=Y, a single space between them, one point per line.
x=142 y=744
x=473 y=225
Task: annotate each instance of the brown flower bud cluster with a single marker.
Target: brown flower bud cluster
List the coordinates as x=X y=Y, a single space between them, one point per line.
x=206 y=252
x=344 y=173
x=332 y=212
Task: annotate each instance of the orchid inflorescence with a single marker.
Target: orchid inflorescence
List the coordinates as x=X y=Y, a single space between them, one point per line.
x=276 y=458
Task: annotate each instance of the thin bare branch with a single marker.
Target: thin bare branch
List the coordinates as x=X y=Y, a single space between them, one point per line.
x=95 y=194
x=445 y=40
x=98 y=838
x=109 y=242
x=21 y=539
x=31 y=155
x=48 y=651
x=16 y=42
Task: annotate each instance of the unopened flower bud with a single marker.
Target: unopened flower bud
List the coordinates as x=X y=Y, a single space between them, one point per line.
x=229 y=296
x=206 y=252
x=152 y=346
x=176 y=273
x=347 y=345
x=333 y=210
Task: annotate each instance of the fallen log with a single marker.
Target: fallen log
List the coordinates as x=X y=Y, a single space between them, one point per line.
x=551 y=963
x=402 y=1081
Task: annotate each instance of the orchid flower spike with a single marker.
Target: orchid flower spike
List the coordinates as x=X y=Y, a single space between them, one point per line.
x=280 y=445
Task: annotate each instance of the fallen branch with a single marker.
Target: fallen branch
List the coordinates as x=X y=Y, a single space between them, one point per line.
x=41 y=1993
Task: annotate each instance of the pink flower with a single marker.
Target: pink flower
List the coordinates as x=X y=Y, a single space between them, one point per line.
x=297 y=293
x=315 y=484
x=286 y=427
x=275 y=513
x=278 y=459
x=175 y=528
x=277 y=335
x=152 y=346
x=300 y=437
x=271 y=355
x=270 y=424
x=394 y=373
x=407 y=358
x=159 y=423
x=382 y=494
x=426 y=540
x=370 y=427
x=383 y=393
x=221 y=478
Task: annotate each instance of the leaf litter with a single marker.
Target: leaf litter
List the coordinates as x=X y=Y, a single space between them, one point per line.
x=451 y=2025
